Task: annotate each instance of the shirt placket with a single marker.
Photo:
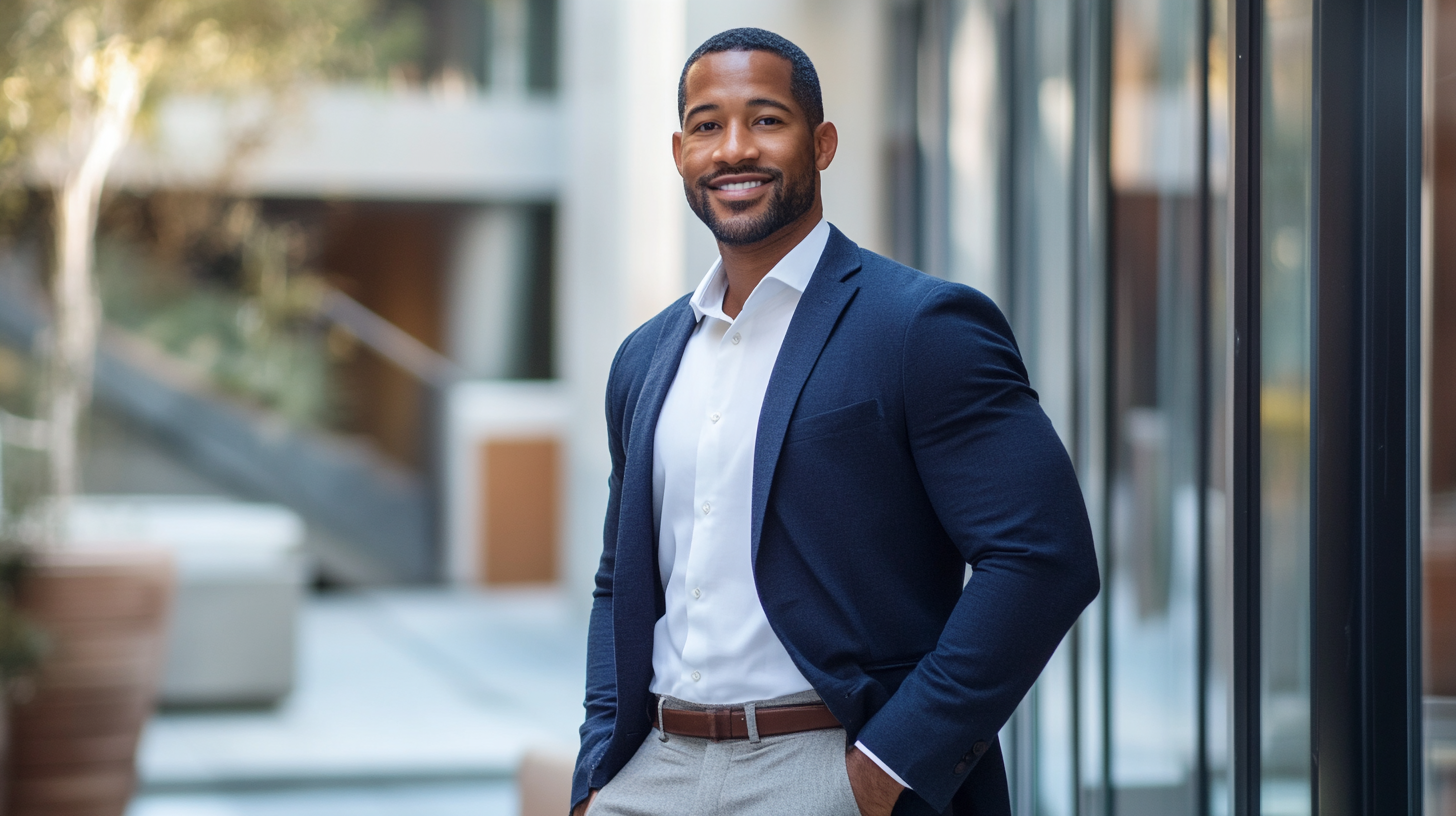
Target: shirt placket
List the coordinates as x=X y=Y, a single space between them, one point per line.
x=709 y=524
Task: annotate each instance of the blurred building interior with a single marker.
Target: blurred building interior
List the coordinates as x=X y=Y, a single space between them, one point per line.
x=393 y=309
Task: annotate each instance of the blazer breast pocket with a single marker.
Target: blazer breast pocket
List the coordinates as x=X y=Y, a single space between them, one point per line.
x=836 y=421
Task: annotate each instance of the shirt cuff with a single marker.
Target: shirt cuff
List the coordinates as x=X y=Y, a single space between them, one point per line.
x=886 y=768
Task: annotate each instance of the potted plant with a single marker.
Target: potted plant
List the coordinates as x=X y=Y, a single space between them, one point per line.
x=74 y=729
x=76 y=76
x=21 y=645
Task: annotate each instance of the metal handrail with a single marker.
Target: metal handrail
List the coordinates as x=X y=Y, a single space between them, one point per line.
x=388 y=340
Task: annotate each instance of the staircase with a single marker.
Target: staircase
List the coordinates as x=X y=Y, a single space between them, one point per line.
x=381 y=512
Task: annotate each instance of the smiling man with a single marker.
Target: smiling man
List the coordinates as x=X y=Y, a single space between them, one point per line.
x=806 y=454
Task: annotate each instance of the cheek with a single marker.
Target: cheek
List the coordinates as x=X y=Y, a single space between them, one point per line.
x=695 y=161
x=794 y=157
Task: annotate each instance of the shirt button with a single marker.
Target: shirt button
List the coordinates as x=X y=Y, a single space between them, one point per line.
x=707 y=508
x=697 y=676
x=736 y=338
x=697 y=593
x=715 y=416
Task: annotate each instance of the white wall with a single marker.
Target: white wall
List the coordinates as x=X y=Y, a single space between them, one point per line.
x=486 y=306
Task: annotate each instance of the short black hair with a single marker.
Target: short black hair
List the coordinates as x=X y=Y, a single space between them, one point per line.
x=803 y=79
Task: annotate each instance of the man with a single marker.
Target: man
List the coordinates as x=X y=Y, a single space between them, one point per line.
x=806 y=454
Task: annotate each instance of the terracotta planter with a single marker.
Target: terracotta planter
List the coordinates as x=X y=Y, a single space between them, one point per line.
x=4 y=748
x=73 y=745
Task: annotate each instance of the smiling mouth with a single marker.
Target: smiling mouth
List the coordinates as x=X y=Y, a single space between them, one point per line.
x=741 y=185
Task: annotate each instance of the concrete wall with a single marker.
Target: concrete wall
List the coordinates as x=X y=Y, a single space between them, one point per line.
x=352 y=142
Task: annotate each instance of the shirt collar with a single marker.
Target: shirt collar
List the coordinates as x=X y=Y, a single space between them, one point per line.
x=793 y=270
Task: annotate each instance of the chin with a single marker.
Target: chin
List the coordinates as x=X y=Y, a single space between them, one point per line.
x=741 y=209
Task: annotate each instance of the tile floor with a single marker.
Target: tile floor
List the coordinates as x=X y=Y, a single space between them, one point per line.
x=411 y=702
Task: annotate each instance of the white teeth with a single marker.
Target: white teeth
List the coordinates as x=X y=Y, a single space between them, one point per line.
x=741 y=185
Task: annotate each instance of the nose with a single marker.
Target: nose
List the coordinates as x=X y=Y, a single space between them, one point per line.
x=738 y=145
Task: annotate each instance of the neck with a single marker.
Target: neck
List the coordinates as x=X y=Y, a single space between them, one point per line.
x=744 y=266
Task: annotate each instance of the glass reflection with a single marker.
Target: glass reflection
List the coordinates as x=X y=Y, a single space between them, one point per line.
x=1002 y=142
x=1157 y=292
x=1439 y=551
x=1284 y=407
x=975 y=118
x=1218 y=558
x=1040 y=259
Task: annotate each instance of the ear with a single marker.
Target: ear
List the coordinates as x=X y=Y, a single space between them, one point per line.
x=826 y=144
x=677 y=151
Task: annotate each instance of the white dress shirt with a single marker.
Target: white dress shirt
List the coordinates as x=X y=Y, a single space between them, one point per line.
x=714 y=645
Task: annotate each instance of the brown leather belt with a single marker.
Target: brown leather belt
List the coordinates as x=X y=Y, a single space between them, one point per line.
x=732 y=723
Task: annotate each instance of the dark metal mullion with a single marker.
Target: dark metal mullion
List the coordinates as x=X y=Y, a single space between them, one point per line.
x=1204 y=412
x=1090 y=42
x=1092 y=196
x=1365 y=656
x=1012 y=137
x=1109 y=428
x=1247 y=95
x=1415 y=401
x=1080 y=159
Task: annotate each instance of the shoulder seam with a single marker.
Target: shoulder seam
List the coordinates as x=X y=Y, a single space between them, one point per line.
x=905 y=337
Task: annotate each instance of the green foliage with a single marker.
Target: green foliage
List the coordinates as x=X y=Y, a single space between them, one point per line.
x=53 y=61
x=259 y=341
x=392 y=38
x=22 y=645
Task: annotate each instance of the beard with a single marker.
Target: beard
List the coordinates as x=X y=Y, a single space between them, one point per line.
x=789 y=199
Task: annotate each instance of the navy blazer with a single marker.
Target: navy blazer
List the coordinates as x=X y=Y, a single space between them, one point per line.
x=898 y=442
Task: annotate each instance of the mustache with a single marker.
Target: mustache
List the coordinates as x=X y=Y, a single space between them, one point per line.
x=706 y=180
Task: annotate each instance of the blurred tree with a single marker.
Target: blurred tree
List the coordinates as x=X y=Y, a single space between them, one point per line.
x=77 y=76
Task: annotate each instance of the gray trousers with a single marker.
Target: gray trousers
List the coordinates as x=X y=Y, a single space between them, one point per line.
x=799 y=774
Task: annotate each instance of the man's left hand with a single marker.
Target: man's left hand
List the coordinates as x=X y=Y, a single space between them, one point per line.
x=874 y=790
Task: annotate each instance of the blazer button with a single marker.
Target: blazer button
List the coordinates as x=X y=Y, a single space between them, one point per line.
x=961 y=767
x=979 y=748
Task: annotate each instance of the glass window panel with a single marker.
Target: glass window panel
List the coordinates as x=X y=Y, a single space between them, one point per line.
x=1218 y=530
x=976 y=116
x=1439 y=322
x=1284 y=704
x=1157 y=283
x=1040 y=260
x=1055 y=785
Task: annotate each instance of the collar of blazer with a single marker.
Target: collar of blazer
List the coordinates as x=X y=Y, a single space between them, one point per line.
x=829 y=291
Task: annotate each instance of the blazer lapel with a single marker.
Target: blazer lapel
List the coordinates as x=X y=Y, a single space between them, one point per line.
x=824 y=299
x=636 y=538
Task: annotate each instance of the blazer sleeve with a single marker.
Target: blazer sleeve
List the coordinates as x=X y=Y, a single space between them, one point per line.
x=1003 y=488
x=601 y=676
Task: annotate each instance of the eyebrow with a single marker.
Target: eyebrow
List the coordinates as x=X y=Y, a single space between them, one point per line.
x=771 y=103
x=697 y=109
x=753 y=103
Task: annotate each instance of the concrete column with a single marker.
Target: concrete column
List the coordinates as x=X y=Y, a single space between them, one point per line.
x=621 y=224
x=486 y=306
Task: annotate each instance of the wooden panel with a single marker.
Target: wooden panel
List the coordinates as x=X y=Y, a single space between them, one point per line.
x=522 y=502
x=1438 y=573
x=392 y=259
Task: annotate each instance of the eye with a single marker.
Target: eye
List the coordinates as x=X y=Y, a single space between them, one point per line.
x=705 y=126
x=768 y=120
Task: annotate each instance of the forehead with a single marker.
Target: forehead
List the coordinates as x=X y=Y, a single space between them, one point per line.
x=728 y=76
